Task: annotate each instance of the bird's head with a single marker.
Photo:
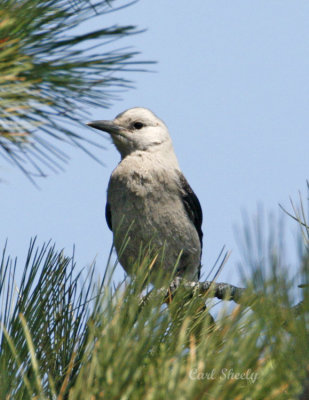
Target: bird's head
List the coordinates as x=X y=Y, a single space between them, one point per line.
x=136 y=129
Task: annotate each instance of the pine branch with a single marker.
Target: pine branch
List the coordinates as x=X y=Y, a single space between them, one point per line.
x=222 y=291
x=52 y=66
x=54 y=302
x=211 y=289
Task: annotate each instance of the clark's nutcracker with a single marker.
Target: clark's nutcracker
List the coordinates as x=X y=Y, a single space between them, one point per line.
x=149 y=201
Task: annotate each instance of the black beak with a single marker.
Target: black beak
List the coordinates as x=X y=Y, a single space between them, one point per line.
x=106 y=126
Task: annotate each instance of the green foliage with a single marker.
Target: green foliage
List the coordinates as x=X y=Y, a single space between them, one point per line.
x=97 y=342
x=49 y=73
x=43 y=322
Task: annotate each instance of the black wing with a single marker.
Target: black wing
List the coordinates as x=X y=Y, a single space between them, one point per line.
x=108 y=215
x=192 y=206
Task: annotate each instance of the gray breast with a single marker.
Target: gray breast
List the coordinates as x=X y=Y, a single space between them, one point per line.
x=148 y=215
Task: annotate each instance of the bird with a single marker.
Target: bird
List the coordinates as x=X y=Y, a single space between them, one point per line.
x=150 y=204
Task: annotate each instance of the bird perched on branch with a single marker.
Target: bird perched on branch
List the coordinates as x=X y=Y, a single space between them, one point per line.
x=150 y=205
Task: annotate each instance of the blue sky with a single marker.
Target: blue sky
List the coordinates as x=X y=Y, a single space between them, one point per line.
x=231 y=84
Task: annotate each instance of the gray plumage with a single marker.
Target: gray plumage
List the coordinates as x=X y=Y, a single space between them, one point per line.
x=149 y=201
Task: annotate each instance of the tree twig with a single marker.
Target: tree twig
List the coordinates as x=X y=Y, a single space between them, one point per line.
x=210 y=289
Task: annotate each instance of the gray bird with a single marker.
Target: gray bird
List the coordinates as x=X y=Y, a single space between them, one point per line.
x=149 y=201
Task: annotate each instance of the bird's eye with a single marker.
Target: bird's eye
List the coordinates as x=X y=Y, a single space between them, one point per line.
x=138 y=125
